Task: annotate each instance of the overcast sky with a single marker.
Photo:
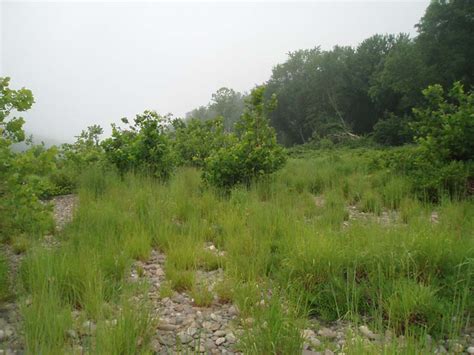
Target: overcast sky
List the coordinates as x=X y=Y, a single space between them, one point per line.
x=89 y=62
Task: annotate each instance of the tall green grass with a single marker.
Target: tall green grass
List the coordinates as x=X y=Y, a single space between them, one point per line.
x=291 y=232
x=4 y=281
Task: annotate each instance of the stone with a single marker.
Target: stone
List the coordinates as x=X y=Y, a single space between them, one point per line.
x=327 y=333
x=368 y=333
x=71 y=333
x=231 y=339
x=88 y=327
x=2 y=335
x=209 y=344
x=309 y=352
x=220 y=341
x=220 y=333
x=166 y=326
x=308 y=333
x=456 y=348
x=191 y=331
x=328 y=352
x=233 y=311
x=185 y=338
x=470 y=350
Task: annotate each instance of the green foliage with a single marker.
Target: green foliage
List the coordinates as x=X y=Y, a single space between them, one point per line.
x=4 y=281
x=251 y=153
x=393 y=131
x=143 y=147
x=76 y=157
x=445 y=127
x=195 y=140
x=23 y=176
x=445 y=41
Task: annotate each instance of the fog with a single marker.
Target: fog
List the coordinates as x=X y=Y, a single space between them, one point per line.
x=93 y=63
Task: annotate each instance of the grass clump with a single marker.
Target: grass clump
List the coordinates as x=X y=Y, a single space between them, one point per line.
x=4 y=281
x=201 y=295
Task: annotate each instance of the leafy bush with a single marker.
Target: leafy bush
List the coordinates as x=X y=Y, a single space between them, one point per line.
x=195 y=140
x=143 y=147
x=393 y=131
x=23 y=176
x=445 y=127
x=251 y=153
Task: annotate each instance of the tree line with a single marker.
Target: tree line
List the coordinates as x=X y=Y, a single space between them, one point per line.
x=368 y=90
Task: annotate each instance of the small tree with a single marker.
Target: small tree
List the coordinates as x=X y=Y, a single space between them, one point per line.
x=22 y=175
x=194 y=140
x=143 y=147
x=445 y=127
x=252 y=152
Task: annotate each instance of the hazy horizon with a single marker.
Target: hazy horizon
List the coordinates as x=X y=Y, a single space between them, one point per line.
x=93 y=63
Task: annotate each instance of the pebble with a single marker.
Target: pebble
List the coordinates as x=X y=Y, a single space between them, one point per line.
x=368 y=333
x=166 y=327
x=220 y=333
x=185 y=338
x=71 y=333
x=327 y=333
x=231 y=339
x=470 y=350
x=220 y=341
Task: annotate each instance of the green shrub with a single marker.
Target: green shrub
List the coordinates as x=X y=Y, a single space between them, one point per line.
x=393 y=131
x=195 y=140
x=445 y=127
x=23 y=175
x=143 y=147
x=251 y=153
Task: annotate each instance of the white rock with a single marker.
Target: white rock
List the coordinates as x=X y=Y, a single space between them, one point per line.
x=470 y=350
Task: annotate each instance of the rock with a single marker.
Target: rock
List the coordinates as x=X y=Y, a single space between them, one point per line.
x=456 y=348
x=191 y=331
x=220 y=333
x=71 y=333
x=328 y=352
x=220 y=341
x=308 y=333
x=200 y=348
x=309 y=352
x=231 y=339
x=327 y=333
x=155 y=345
x=166 y=327
x=88 y=327
x=209 y=344
x=167 y=341
x=233 y=311
x=185 y=338
x=368 y=333
x=2 y=335
x=470 y=350
x=248 y=321
x=441 y=350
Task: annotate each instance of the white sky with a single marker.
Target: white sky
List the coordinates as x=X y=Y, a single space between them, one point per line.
x=90 y=62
